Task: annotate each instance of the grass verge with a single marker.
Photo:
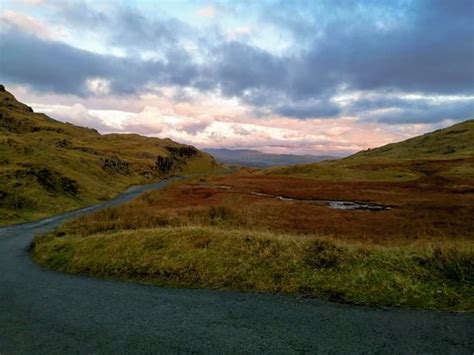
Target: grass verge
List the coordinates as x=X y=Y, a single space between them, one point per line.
x=419 y=275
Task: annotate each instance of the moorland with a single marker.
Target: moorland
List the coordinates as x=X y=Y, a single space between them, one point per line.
x=275 y=230
x=390 y=226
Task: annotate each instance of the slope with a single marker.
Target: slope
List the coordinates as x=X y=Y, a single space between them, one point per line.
x=445 y=155
x=47 y=166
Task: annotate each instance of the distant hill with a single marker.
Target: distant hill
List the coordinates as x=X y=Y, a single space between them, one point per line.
x=47 y=166
x=443 y=155
x=255 y=158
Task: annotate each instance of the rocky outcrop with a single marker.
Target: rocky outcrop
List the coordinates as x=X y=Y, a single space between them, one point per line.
x=182 y=152
x=165 y=164
x=177 y=158
x=116 y=165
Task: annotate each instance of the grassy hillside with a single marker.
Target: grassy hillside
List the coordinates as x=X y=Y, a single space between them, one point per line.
x=454 y=142
x=48 y=166
x=258 y=232
x=446 y=154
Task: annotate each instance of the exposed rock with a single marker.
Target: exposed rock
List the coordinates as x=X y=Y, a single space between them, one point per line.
x=69 y=186
x=183 y=152
x=52 y=181
x=46 y=179
x=63 y=143
x=18 y=202
x=178 y=158
x=165 y=164
x=15 y=125
x=47 y=129
x=116 y=165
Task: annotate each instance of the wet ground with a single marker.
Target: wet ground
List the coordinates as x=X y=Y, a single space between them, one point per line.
x=339 y=205
x=44 y=312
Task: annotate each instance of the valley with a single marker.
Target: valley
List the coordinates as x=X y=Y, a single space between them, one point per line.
x=271 y=231
x=390 y=226
x=236 y=177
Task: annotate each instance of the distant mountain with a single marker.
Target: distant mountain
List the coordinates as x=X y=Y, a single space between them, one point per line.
x=255 y=158
x=47 y=166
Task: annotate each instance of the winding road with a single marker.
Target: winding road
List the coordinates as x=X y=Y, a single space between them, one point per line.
x=43 y=311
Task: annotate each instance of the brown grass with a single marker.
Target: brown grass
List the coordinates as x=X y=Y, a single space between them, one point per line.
x=419 y=211
x=213 y=232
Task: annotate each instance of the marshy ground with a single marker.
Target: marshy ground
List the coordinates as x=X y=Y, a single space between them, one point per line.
x=224 y=232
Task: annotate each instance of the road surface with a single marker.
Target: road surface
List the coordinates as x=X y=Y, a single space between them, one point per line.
x=43 y=311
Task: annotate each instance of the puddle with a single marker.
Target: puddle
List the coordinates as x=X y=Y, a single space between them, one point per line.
x=350 y=205
x=335 y=204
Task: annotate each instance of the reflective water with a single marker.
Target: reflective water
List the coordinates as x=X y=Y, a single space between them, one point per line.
x=336 y=204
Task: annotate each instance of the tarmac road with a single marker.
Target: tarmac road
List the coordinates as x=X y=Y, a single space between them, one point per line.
x=43 y=311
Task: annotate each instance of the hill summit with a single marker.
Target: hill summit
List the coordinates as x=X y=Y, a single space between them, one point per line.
x=454 y=142
x=445 y=155
x=47 y=166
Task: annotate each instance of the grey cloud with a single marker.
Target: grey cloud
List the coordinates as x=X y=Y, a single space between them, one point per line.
x=425 y=112
x=46 y=65
x=387 y=101
x=122 y=26
x=136 y=31
x=309 y=109
x=395 y=109
x=57 y=67
x=430 y=50
x=77 y=13
x=237 y=67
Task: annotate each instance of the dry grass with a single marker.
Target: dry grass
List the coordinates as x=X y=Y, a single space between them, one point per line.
x=419 y=275
x=418 y=211
x=214 y=233
x=47 y=166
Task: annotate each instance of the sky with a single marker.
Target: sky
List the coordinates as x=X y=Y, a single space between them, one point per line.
x=303 y=77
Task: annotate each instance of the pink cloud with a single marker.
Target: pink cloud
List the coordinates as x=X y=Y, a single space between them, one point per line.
x=25 y=23
x=209 y=120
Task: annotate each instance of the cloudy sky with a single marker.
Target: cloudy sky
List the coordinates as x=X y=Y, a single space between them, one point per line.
x=320 y=77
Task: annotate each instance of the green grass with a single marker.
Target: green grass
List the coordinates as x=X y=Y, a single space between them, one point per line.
x=454 y=142
x=47 y=166
x=341 y=171
x=446 y=153
x=420 y=275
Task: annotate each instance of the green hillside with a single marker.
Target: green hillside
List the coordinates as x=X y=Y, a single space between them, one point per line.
x=455 y=142
x=446 y=154
x=47 y=166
